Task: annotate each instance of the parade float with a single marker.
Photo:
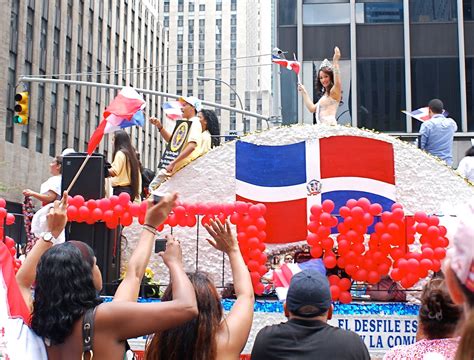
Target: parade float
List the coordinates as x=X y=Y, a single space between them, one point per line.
x=370 y=206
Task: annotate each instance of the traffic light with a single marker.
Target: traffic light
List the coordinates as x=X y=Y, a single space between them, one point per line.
x=21 y=108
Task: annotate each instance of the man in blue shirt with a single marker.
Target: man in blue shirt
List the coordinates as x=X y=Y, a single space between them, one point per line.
x=437 y=133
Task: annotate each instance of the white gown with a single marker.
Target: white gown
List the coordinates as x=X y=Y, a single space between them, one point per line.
x=326 y=109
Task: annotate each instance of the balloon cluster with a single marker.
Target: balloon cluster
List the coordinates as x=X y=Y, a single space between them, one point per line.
x=113 y=211
x=247 y=217
x=385 y=252
x=8 y=219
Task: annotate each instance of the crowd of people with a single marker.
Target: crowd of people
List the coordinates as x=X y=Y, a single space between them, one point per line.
x=69 y=319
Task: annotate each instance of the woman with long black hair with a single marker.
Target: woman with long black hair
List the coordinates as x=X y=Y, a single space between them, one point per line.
x=210 y=123
x=125 y=168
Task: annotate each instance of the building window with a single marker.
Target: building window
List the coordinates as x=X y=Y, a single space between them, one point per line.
x=233 y=5
x=53 y=120
x=422 y=11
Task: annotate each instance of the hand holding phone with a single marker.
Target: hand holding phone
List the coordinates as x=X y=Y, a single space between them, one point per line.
x=160 y=245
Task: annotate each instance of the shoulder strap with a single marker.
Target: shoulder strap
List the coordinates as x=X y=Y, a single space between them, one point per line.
x=88 y=332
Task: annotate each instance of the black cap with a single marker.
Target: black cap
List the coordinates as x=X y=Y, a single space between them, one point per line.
x=308 y=288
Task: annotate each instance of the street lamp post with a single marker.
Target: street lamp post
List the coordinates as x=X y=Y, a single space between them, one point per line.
x=205 y=78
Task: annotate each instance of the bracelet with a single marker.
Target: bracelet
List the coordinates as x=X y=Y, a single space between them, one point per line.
x=159 y=129
x=150 y=228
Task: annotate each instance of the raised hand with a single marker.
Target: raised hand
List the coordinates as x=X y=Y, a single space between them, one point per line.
x=222 y=237
x=173 y=253
x=157 y=213
x=301 y=88
x=155 y=121
x=337 y=55
x=57 y=216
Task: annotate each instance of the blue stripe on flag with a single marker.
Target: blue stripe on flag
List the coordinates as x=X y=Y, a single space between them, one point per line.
x=270 y=166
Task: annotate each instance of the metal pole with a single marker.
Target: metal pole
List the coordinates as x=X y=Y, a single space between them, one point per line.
x=144 y=91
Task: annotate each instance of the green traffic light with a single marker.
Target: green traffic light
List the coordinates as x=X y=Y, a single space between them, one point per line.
x=17 y=119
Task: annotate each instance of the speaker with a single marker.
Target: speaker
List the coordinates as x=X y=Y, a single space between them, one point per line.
x=106 y=245
x=90 y=183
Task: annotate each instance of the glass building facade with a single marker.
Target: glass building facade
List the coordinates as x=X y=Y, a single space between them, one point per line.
x=396 y=55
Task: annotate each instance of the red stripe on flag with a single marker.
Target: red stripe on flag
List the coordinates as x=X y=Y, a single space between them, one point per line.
x=16 y=305
x=286 y=220
x=123 y=106
x=96 y=137
x=354 y=156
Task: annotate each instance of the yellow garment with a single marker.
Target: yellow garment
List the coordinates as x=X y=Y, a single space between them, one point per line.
x=202 y=140
x=121 y=167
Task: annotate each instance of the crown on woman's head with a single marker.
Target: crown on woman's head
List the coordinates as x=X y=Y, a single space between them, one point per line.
x=325 y=64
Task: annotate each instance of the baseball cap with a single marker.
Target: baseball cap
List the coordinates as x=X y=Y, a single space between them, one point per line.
x=461 y=254
x=193 y=101
x=308 y=288
x=68 y=151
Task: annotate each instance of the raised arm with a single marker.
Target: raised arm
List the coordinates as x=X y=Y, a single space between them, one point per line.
x=165 y=134
x=156 y=214
x=56 y=221
x=306 y=99
x=142 y=319
x=336 y=89
x=234 y=332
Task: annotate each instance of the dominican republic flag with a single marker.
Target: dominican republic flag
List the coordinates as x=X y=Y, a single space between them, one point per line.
x=173 y=110
x=289 y=179
x=289 y=64
x=422 y=114
x=125 y=110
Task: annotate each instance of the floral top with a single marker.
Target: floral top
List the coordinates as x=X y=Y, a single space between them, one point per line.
x=425 y=350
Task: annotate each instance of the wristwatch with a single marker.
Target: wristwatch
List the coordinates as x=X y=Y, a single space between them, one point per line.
x=48 y=237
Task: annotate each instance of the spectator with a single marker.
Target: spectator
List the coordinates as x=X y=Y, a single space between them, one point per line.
x=466 y=165
x=288 y=259
x=125 y=168
x=306 y=335
x=147 y=177
x=459 y=270
x=209 y=121
x=210 y=336
x=67 y=281
x=50 y=190
x=198 y=142
x=438 y=320
x=437 y=133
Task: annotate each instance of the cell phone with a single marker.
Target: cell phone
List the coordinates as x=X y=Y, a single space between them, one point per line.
x=160 y=245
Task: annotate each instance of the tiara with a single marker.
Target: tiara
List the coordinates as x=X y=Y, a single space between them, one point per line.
x=325 y=64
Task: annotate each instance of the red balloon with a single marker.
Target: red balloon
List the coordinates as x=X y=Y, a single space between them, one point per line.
x=246 y=220
x=254 y=211
x=333 y=279
x=439 y=253
x=433 y=220
x=235 y=218
x=396 y=274
x=253 y=265
x=241 y=207
x=398 y=214
x=252 y=231
x=118 y=210
x=433 y=232
x=114 y=200
x=345 y=284
x=123 y=198
x=357 y=213
x=326 y=219
x=343 y=247
x=71 y=213
x=367 y=219
x=344 y=211
x=253 y=242
x=91 y=204
x=263 y=208
x=350 y=269
x=10 y=219
x=312 y=239
x=421 y=217
x=96 y=214
x=327 y=243
x=83 y=212
x=191 y=220
x=375 y=209
x=126 y=219
x=204 y=221
x=254 y=254
x=360 y=275
x=227 y=209
x=393 y=228
x=179 y=211
x=436 y=265
x=260 y=223
x=316 y=210
x=364 y=203
x=383 y=269
x=3 y=203
x=255 y=276
x=259 y=288
x=345 y=297
x=351 y=203
x=313 y=226
x=104 y=204
x=330 y=262
x=328 y=206
x=3 y=213
x=380 y=227
x=426 y=264
x=263 y=258
x=373 y=277
x=316 y=251
x=341 y=262
x=79 y=200
x=134 y=210
x=323 y=232
x=335 y=292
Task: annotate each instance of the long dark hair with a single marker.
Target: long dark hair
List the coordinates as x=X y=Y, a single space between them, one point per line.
x=439 y=315
x=320 y=90
x=122 y=143
x=196 y=339
x=212 y=126
x=64 y=291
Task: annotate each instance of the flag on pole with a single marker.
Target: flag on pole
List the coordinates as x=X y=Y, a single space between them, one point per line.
x=289 y=64
x=289 y=179
x=124 y=111
x=173 y=110
x=422 y=114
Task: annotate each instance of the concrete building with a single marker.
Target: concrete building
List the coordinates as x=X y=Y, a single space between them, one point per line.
x=227 y=42
x=117 y=42
x=396 y=55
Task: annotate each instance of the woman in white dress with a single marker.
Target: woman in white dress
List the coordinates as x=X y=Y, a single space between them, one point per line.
x=329 y=87
x=466 y=165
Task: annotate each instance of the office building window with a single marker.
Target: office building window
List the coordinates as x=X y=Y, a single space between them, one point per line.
x=65 y=136
x=40 y=119
x=369 y=12
x=422 y=11
x=287 y=12
x=77 y=120
x=470 y=92
x=53 y=120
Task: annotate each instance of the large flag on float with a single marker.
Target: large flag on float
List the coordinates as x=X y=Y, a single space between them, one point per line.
x=289 y=179
x=422 y=114
x=124 y=110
